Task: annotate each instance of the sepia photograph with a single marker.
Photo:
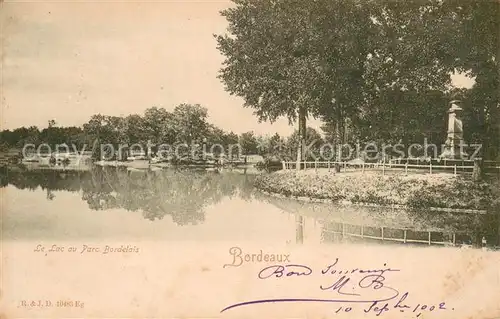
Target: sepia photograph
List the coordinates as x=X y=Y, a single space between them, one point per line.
x=250 y=158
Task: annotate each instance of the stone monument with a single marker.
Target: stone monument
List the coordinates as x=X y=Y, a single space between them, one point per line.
x=454 y=144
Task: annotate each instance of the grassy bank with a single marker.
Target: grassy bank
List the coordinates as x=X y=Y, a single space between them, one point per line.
x=415 y=191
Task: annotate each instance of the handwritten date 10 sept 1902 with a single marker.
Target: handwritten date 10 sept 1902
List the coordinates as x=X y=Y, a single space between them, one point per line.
x=350 y=290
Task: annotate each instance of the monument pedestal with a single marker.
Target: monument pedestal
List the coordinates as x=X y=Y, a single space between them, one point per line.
x=453 y=150
x=454 y=146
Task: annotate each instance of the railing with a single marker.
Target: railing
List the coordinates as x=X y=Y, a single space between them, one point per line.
x=429 y=166
x=457 y=238
x=383 y=237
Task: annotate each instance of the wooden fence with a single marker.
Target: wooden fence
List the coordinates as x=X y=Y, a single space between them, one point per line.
x=361 y=233
x=457 y=238
x=431 y=166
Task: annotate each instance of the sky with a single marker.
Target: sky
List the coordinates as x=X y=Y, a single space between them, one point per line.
x=67 y=60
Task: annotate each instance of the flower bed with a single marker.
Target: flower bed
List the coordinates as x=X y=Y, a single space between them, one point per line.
x=415 y=191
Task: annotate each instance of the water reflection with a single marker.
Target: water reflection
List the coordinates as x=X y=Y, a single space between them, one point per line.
x=182 y=194
x=188 y=197
x=385 y=225
x=299 y=222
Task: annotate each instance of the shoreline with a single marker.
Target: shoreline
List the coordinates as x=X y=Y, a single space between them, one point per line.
x=394 y=206
x=142 y=165
x=437 y=192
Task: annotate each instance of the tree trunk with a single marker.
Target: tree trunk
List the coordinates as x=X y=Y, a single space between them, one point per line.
x=484 y=157
x=301 y=156
x=495 y=134
x=338 y=138
x=490 y=138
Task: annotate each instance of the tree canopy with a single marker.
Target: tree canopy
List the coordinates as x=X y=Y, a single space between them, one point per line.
x=384 y=67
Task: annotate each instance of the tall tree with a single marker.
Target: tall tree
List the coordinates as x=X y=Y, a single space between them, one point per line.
x=249 y=143
x=268 y=61
x=365 y=63
x=190 y=123
x=135 y=129
x=156 y=121
x=478 y=53
x=421 y=44
x=297 y=58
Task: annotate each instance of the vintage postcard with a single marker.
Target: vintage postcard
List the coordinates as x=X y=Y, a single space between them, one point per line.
x=250 y=159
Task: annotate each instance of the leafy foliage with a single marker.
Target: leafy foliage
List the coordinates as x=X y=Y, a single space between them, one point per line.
x=415 y=191
x=249 y=143
x=363 y=65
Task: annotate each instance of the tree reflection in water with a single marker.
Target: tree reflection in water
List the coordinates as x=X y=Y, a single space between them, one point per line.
x=46 y=180
x=182 y=194
x=436 y=227
x=185 y=194
x=361 y=223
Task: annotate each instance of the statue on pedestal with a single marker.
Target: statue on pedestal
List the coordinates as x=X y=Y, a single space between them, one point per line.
x=454 y=143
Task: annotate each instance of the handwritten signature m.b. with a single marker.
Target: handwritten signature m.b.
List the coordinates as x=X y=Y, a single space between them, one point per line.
x=371 y=278
x=353 y=286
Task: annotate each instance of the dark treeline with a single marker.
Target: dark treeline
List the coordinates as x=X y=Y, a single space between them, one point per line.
x=189 y=124
x=376 y=70
x=185 y=124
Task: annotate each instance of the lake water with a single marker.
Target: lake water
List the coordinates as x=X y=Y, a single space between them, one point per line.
x=173 y=205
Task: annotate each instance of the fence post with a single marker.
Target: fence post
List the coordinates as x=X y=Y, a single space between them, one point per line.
x=284 y=165
x=383 y=166
x=406 y=168
x=476 y=170
x=455 y=170
x=430 y=167
x=363 y=167
x=328 y=165
x=316 y=165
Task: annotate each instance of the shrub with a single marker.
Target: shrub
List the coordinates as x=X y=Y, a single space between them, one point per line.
x=415 y=191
